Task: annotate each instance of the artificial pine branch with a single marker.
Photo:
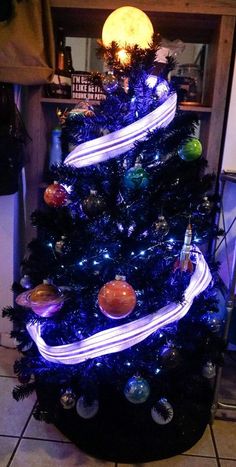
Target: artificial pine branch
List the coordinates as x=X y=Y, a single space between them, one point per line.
x=23 y=391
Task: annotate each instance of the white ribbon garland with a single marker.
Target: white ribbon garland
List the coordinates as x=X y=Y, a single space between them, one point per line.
x=120 y=141
x=126 y=335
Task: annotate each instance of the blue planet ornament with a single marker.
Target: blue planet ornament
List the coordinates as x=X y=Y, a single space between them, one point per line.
x=137 y=390
x=136 y=178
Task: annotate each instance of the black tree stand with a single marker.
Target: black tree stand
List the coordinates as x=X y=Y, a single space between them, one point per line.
x=125 y=432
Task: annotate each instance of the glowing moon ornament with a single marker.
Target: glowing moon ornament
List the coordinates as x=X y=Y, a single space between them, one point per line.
x=127 y=26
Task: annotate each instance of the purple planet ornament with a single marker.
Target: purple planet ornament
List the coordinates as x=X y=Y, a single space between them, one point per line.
x=45 y=300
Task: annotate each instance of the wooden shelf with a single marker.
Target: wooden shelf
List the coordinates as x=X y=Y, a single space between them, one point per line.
x=186 y=107
x=195 y=108
x=54 y=100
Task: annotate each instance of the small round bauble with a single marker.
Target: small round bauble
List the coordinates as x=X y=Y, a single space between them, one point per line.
x=205 y=206
x=109 y=83
x=45 y=299
x=137 y=390
x=24 y=378
x=27 y=347
x=56 y=195
x=94 y=204
x=117 y=298
x=169 y=357
x=160 y=86
x=25 y=282
x=212 y=321
x=86 y=410
x=82 y=109
x=136 y=178
x=62 y=246
x=162 y=89
x=209 y=370
x=161 y=227
x=162 y=412
x=68 y=399
x=190 y=150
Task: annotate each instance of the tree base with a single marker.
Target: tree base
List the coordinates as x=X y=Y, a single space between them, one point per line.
x=124 y=432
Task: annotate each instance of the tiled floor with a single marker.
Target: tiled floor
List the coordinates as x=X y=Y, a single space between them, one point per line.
x=25 y=442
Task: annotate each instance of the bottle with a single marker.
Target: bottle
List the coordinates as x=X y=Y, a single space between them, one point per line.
x=190 y=83
x=61 y=84
x=68 y=60
x=55 y=153
x=60 y=48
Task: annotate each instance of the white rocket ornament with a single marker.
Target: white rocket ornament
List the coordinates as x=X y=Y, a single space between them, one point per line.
x=184 y=262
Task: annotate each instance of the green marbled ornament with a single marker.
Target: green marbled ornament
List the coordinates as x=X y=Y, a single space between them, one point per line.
x=190 y=150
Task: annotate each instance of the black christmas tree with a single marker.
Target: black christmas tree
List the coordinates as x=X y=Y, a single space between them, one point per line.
x=117 y=313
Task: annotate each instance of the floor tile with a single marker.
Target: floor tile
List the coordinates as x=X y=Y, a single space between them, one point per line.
x=7 y=359
x=225 y=435
x=204 y=447
x=13 y=414
x=177 y=461
x=42 y=430
x=6 y=448
x=227 y=463
x=35 y=453
x=227 y=390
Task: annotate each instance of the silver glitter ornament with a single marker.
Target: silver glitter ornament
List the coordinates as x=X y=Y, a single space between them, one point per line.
x=68 y=399
x=162 y=412
x=26 y=282
x=209 y=370
x=161 y=227
x=109 y=83
x=205 y=206
x=86 y=410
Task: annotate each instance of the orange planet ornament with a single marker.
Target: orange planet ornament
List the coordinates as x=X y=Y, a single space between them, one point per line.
x=45 y=300
x=117 y=298
x=55 y=195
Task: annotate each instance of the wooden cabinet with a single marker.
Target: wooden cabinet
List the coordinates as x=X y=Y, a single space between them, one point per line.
x=195 y=21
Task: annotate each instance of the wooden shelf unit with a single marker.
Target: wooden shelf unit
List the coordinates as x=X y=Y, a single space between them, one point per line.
x=192 y=21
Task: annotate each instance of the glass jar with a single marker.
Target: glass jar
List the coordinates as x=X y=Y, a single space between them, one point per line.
x=189 y=83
